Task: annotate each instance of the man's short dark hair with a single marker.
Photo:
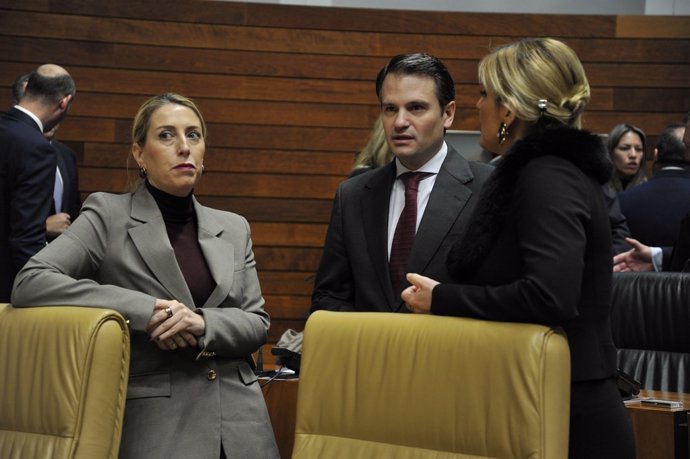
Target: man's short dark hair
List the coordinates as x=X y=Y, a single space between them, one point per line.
x=49 y=89
x=671 y=149
x=420 y=64
x=18 y=88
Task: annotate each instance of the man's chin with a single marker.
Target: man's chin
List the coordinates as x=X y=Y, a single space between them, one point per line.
x=404 y=152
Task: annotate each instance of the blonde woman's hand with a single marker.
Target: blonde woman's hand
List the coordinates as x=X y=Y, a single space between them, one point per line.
x=418 y=295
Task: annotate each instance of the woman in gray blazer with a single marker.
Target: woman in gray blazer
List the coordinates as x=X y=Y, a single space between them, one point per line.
x=184 y=276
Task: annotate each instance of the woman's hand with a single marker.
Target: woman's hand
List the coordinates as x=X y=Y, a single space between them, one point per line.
x=173 y=325
x=418 y=295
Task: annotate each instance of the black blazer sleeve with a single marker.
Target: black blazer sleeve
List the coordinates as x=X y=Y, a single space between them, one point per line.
x=535 y=268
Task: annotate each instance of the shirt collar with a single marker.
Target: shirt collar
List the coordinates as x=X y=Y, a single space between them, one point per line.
x=33 y=117
x=432 y=166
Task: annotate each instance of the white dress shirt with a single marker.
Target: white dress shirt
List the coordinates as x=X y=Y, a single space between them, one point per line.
x=397 y=201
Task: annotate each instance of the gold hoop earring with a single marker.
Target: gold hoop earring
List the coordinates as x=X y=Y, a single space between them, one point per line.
x=142 y=172
x=502 y=133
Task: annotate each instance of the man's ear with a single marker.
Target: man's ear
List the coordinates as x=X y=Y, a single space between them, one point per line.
x=449 y=113
x=65 y=102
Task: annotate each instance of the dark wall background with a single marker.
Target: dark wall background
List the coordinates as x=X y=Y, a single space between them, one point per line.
x=288 y=94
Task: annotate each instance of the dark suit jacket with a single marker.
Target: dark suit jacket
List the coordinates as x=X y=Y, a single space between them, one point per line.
x=539 y=248
x=27 y=174
x=655 y=208
x=619 y=225
x=117 y=255
x=67 y=163
x=353 y=274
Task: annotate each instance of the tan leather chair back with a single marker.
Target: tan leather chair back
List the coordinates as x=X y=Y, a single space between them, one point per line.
x=63 y=382
x=406 y=386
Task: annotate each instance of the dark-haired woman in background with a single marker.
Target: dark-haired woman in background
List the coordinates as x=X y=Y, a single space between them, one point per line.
x=627 y=145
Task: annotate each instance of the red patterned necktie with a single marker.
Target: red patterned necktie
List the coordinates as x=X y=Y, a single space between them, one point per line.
x=405 y=230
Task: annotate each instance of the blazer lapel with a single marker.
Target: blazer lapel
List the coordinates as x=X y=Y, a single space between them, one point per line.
x=219 y=255
x=374 y=204
x=155 y=250
x=446 y=202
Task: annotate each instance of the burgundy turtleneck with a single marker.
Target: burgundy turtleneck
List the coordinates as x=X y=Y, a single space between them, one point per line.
x=181 y=224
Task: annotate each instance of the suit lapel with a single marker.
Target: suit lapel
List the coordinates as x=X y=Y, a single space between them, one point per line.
x=219 y=254
x=446 y=202
x=374 y=204
x=156 y=251
x=23 y=117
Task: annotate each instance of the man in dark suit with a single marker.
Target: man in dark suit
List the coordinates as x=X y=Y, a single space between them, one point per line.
x=417 y=98
x=66 y=197
x=645 y=258
x=27 y=168
x=655 y=209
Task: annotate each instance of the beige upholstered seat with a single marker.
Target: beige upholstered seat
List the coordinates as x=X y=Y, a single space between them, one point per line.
x=63 y=382
x=383 y=385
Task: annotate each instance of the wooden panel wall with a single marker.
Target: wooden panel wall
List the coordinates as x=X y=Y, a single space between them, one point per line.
x=289 y=96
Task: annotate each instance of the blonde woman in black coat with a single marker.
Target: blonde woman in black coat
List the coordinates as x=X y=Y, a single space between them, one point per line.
x=538 y=247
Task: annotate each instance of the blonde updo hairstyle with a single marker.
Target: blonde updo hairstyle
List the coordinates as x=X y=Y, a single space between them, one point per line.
x=526 y=71
x=142 y=122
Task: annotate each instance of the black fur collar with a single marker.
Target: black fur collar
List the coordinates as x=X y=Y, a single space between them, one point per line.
x=585 y=150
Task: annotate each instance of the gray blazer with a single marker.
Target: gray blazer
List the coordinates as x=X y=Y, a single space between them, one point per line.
x=180 y=404
x=353 y=274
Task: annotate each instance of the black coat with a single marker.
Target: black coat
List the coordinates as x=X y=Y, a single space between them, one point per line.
x=67 y=163
x=538 y=247
x=27 y=178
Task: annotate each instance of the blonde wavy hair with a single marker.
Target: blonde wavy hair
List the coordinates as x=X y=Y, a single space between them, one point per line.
x=523 y=72
x=376 y=152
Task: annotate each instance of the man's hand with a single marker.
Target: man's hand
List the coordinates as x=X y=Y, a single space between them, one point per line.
x=637 y=259
x=57 y=224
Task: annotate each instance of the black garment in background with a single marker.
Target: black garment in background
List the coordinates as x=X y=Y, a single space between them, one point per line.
x=680 y=257
x=180 y=222
x=67 y=163
x=27 y=177
x=619 y=224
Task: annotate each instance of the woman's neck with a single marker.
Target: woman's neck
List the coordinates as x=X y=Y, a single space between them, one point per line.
x=175 y=209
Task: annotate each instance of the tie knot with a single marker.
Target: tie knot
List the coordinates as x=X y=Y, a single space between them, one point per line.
x=412 y=179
